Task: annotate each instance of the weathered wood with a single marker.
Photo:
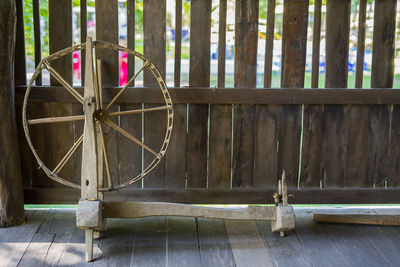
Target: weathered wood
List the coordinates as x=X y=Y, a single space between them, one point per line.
x=36 y=28
x=107 y=30
x=383 y=48
x=337 y=49
x=357 y=140
x=357 y=219
x=183 y=247
x=247 y=244
x=11 y=195
x=178 y=43
x=294 y=39
x=382 y=76
x=154 y=21
x=147 y=209
x=83 y=17
x=199 y=75
x=150 y=239
x=362 y=13
x=215 y=249
x=269 y=43
x=394 y=148
x=288 y=251
x=220 y=133
x=36 y=252
x=175 y=158
x=246 y=35
x=240 y=95
x=53 y=141
x=20 y=61
x=316 y=43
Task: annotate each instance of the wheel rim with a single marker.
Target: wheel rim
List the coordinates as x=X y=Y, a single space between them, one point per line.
x=102 y=115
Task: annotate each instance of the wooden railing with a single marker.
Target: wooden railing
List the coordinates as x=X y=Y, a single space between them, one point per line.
x=230 y=145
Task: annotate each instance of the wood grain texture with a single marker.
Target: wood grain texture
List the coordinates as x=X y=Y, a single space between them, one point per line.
x=337 y=49
x=11 y=197
x=247 y=244
x=215 y=248
x=223 y=196
x=239 y=95
x=107 y=30
x=362 y=13
x=154 y=19
x=269 y=43
x=199 y=75
x=394 y=148
x=183 y=248
x=316 y=43
x=294 y=39
x=288 y=251
x=54 y=140
x=36 y=29
x=20 y=61
x=381 y=76
x=246 y=30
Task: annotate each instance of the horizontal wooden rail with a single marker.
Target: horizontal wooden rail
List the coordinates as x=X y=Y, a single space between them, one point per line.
x=222 y=196
x=199 y=95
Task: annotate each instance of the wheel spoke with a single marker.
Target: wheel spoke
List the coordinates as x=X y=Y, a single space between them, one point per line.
x=127 y=85
x=135 y=111
x=66 y=85
x=129 y=136
x=98 y=87
x=105 y=153
x=67 y=156
x=57 y=119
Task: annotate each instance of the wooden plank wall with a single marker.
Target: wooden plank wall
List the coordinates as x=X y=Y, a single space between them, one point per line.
x=348 y=146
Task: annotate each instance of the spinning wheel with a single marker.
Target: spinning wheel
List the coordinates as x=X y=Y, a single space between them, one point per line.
x=97 y=116
x=92 y=208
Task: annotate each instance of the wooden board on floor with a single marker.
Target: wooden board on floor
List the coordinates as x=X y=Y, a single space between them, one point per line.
x=287 y=251
x=247 y=244
x=215 y=248
x=183 y=248
x=150 y=242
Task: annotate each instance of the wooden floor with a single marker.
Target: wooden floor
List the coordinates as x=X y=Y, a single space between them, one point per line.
x=51 y=238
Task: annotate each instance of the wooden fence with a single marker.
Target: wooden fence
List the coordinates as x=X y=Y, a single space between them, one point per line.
x=231 y=145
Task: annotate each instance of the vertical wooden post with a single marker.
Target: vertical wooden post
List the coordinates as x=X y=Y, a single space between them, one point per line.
x=11 y=194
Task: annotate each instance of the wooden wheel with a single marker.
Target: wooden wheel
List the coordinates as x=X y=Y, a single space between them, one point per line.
x=101 y=113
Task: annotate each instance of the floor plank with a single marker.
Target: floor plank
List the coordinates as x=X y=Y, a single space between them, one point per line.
x=150 y=242
x=247 y=244
x=215 y=248
x=15 y=240
x=116 y=245
x=352 y=245
x=182 y=242
x=36 y=253
x=286 y=251
x=318 y=246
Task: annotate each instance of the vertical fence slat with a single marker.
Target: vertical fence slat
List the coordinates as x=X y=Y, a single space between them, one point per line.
x=394 y=148
x=20 y=64
x=267 y=118
x=175 y=159
x=219 y=166
x=246 y=37
x=83 y=6
x=313 y=118
x=54 y=140
x=382 y=77
x=107 y=30
x=178 y=43
x=36 y=28
x=269 y=43
x=294 y=40
x=199 y=75
x=130 y=154
x=154 y=27
x=316 y=43
x=362 y=13
x=357 y=137
x=337 y=50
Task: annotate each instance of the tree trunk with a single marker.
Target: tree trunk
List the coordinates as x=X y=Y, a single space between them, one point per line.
x=11 y=194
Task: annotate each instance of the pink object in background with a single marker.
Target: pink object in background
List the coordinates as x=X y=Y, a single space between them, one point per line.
x=76 y=65
x=123 y=68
